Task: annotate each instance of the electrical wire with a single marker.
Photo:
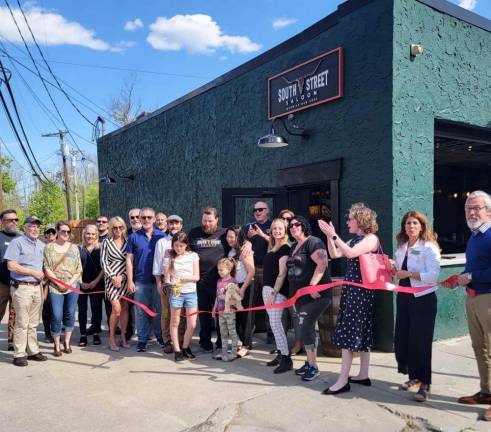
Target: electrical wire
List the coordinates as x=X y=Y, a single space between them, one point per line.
x=41 y=77
x=49 y=67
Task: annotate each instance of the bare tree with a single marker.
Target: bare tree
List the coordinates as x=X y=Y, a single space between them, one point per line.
x=126 y=108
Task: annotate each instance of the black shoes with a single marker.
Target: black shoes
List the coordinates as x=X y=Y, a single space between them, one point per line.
x=83 y=341
x=365 y=382
x=301 y=371
x=346 y=388
x=275 y=361
x=286 y=364
x=20 y=361
x=37 y=357
x=186 y=352
x=178 y=356
x=141 y=347
x=96 y=340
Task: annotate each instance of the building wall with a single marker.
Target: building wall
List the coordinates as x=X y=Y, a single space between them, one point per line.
x=451 y=80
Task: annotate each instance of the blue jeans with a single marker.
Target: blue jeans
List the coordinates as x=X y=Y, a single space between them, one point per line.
x=63 y=309
x=147 y=294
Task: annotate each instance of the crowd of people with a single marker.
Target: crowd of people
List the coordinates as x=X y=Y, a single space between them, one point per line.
x=220 y=271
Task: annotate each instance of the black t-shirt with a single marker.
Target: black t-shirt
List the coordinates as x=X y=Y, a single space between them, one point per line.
x=272 y=268
x=91 y=266
x=5 y=239
x=301 y=268
x=259 y=245
x=210 y=248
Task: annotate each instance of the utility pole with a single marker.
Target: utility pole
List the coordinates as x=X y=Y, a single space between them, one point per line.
x=1 y=180
x=74 y=152
x=64 y=155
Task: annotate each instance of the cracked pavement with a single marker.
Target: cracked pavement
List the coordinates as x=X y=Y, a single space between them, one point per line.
x=95 y=390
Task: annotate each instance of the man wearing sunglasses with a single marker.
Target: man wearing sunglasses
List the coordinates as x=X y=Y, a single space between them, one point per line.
x=9 y=231
x=140 y=251
x=102 y=227
x=24 y=257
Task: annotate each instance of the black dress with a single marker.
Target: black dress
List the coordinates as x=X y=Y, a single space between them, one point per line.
x=354 y=325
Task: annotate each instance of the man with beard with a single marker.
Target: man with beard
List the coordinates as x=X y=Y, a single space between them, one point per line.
x=161 y=222
x=477 y=280
x=9 y=231
x=208 y=241
x=160 y=261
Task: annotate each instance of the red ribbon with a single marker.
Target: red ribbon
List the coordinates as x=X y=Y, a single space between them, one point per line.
x=145 y=308
x=382 y=286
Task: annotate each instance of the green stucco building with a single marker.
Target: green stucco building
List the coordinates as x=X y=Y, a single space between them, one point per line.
x=401 y=120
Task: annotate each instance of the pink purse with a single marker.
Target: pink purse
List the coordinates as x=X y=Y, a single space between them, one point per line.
x=375 y=267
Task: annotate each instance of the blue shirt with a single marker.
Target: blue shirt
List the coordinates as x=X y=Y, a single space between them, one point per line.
x=27 y=253
x=478 y=260
x=143 y=250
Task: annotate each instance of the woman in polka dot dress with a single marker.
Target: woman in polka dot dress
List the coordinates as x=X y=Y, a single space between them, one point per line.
x=353 y=332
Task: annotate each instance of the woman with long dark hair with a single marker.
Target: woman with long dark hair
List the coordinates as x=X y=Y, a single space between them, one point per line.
x=417 y=263
x=244 y=275
x=181 y=275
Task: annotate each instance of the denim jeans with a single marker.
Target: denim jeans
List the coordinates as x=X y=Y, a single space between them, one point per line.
x=63 y=309
x=147 y=294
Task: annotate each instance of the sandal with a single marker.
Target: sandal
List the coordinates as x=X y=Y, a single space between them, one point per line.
x=243 y=352
x=423 y=394
x=67 y=349
x=83 y=341
x=410 y=385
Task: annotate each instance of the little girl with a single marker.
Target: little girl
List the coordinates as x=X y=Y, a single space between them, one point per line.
x=181 y=275
x=226 y=321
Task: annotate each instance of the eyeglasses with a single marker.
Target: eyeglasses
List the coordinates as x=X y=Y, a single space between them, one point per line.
x=134 y=217
x=102 y=221
x=259 y=209
x=146 y=217
x=11 y=220
x=119 y=227
x=476 y=208
x=295 y=225
x=64 y=231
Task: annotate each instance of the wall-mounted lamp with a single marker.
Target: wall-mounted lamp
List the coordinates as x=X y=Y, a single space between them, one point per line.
x=111 y=180
x=272 y=140
x=416 y=49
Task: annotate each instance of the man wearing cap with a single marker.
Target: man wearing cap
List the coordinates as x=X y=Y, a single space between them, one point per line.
x=24 y=257
x=160 y=261
x=9 y=221
x=49 y=237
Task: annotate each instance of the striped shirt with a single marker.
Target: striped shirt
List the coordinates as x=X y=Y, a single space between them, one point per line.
x=113 y=262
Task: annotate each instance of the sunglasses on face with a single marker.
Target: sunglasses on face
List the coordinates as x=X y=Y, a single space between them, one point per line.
x=11 y=220
x=102 y=221
x=146 y=217
x=117 y=227
x=295 y=225
x=64 y=231
x=260 y=209
x=50 y=232
x=134 y=217
x=288 y=219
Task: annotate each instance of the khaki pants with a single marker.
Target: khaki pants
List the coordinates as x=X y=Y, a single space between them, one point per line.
x=165 y=320
x=27 y=301
x=4 y=300
x=479 y=319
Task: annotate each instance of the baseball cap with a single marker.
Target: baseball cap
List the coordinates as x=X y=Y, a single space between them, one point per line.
x=49 y=227
x=32 y=220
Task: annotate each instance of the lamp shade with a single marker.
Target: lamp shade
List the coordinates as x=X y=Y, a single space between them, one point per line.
x=272 y=141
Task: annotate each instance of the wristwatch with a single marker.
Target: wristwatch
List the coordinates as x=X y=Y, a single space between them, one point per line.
x=334 y=237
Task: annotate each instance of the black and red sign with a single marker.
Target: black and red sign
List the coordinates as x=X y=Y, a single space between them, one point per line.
x=314 y=82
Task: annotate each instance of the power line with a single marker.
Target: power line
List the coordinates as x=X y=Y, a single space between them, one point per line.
x=49 y=67
x=39 y=74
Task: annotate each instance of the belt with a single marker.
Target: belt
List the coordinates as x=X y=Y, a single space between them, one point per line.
x=16 y=283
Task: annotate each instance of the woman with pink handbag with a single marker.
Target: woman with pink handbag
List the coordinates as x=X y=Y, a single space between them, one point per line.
x=353 y=333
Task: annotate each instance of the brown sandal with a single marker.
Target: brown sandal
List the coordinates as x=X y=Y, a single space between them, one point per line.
x=68 y=349
x=413 y=385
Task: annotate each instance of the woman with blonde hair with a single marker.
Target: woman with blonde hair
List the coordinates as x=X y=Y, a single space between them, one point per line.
x=113 y=261
x=275 y=290
x=417 y=263
x=90 y=255
x=353 y=333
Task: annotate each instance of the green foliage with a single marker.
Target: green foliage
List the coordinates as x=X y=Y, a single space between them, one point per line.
x=48 y=203
x=92 y=201
x=8 y=184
